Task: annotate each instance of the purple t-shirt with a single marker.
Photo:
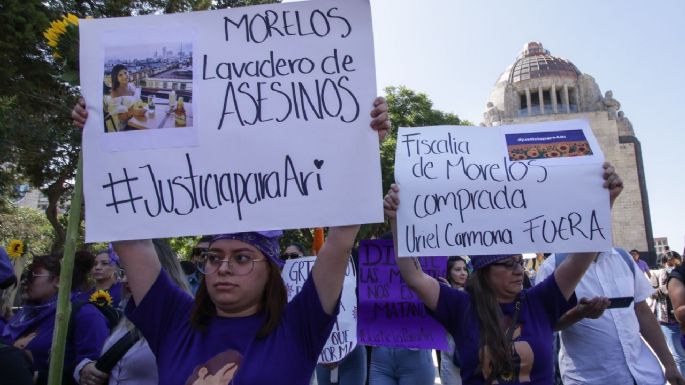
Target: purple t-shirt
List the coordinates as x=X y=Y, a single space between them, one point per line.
x=87 y=337
x=229 y=347
x=541 y=308
x=643 y=266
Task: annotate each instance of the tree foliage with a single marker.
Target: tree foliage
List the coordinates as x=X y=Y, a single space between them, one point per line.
x=407 y=108
x=28 y=225
x=37 y=141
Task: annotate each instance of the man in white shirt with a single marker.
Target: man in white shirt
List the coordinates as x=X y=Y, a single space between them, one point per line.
x=609 y=349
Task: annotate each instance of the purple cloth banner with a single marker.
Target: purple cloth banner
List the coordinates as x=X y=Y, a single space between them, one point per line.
x=390 y=313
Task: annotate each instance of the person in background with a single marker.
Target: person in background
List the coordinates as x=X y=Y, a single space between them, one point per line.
x=104 y=274
x=294 y=250
x=31 y=328
x=626 y=338
x=457 y=273
x=640 y=263
x=134 y=364
x=676 y=293
x=351 y=370
x=665 y=311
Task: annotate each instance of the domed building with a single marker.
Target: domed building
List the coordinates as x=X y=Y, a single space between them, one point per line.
x=539 y=87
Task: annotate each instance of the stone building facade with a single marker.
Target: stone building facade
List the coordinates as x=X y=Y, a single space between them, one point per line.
x=539 y=87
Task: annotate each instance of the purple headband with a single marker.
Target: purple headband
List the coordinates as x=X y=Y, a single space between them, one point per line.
x=480 y=261
x=113 y=257
x=264 y=241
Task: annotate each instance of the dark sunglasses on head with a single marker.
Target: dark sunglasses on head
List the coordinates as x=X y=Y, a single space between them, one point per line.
x=287 y=256
x=199 y=250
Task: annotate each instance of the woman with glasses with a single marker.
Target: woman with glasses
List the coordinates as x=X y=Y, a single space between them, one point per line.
x=240 y=326
x=502 y=332
x=293 y=251
x=31 y=328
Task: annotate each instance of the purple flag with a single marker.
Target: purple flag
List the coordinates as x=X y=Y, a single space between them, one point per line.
x=390 y=313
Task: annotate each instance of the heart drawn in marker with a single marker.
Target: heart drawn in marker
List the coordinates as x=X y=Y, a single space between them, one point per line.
x=318 y=163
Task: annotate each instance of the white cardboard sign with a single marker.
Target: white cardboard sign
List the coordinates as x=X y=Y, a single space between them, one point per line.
x=343 y=337
x=274 y=130
x=495 y=190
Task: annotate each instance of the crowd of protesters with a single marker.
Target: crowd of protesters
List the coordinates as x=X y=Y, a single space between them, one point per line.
x=636 y=344
x=139 y=316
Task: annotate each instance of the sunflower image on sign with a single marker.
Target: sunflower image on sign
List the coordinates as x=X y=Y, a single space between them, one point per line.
x=542 y=145
x=15 y=249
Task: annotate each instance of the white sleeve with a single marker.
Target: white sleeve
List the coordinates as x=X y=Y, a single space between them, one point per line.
x=546 y=269
x=79 y=367
x=643 y=288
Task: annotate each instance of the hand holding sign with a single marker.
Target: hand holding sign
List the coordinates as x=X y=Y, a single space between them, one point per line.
x=509 y=189
x=269 y=102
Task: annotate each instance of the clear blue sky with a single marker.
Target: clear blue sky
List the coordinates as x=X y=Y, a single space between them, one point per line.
x=454 y=52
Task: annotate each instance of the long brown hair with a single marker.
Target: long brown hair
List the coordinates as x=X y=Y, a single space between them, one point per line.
x=492 y=336
x=273 y=302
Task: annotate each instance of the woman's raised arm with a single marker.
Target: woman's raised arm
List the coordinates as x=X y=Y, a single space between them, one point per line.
x=425 y=286
x=570 y=272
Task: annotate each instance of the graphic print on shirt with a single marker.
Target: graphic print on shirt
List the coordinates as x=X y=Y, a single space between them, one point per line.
x=523 y=361
x=220 y=370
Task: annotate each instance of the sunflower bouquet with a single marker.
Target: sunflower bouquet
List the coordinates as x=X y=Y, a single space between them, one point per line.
x=63 y=41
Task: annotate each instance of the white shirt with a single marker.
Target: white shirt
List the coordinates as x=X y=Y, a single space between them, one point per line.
x=607 y=350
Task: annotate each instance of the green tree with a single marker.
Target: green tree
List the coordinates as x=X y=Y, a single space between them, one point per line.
x=28 y=225
x=407 y=108
x=37 y=141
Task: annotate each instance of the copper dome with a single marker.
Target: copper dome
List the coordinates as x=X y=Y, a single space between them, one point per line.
x=536 y=62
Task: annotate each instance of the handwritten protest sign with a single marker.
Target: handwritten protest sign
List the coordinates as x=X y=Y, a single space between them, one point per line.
x=390 y=313
x=343 y=338
x=506 y=189
x=229 y=120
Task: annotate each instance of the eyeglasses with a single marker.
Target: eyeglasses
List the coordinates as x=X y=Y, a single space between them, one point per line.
x=198 y=250
x=287 y=256
x=511 y=264
x=29 y=276
x=239 y=264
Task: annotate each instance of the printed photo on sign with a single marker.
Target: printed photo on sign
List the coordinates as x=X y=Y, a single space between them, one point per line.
x=272 y=112
x=541 y=145
x=148 y=87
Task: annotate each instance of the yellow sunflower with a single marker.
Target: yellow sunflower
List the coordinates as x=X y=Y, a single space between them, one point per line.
x=62 y=38
x=15 y=248
x=100 y=298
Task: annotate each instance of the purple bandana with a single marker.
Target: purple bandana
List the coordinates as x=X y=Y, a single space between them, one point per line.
x=113 y=257
x=27 y=318
x=264 y=241
x=480 y=261
x=6 y=269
